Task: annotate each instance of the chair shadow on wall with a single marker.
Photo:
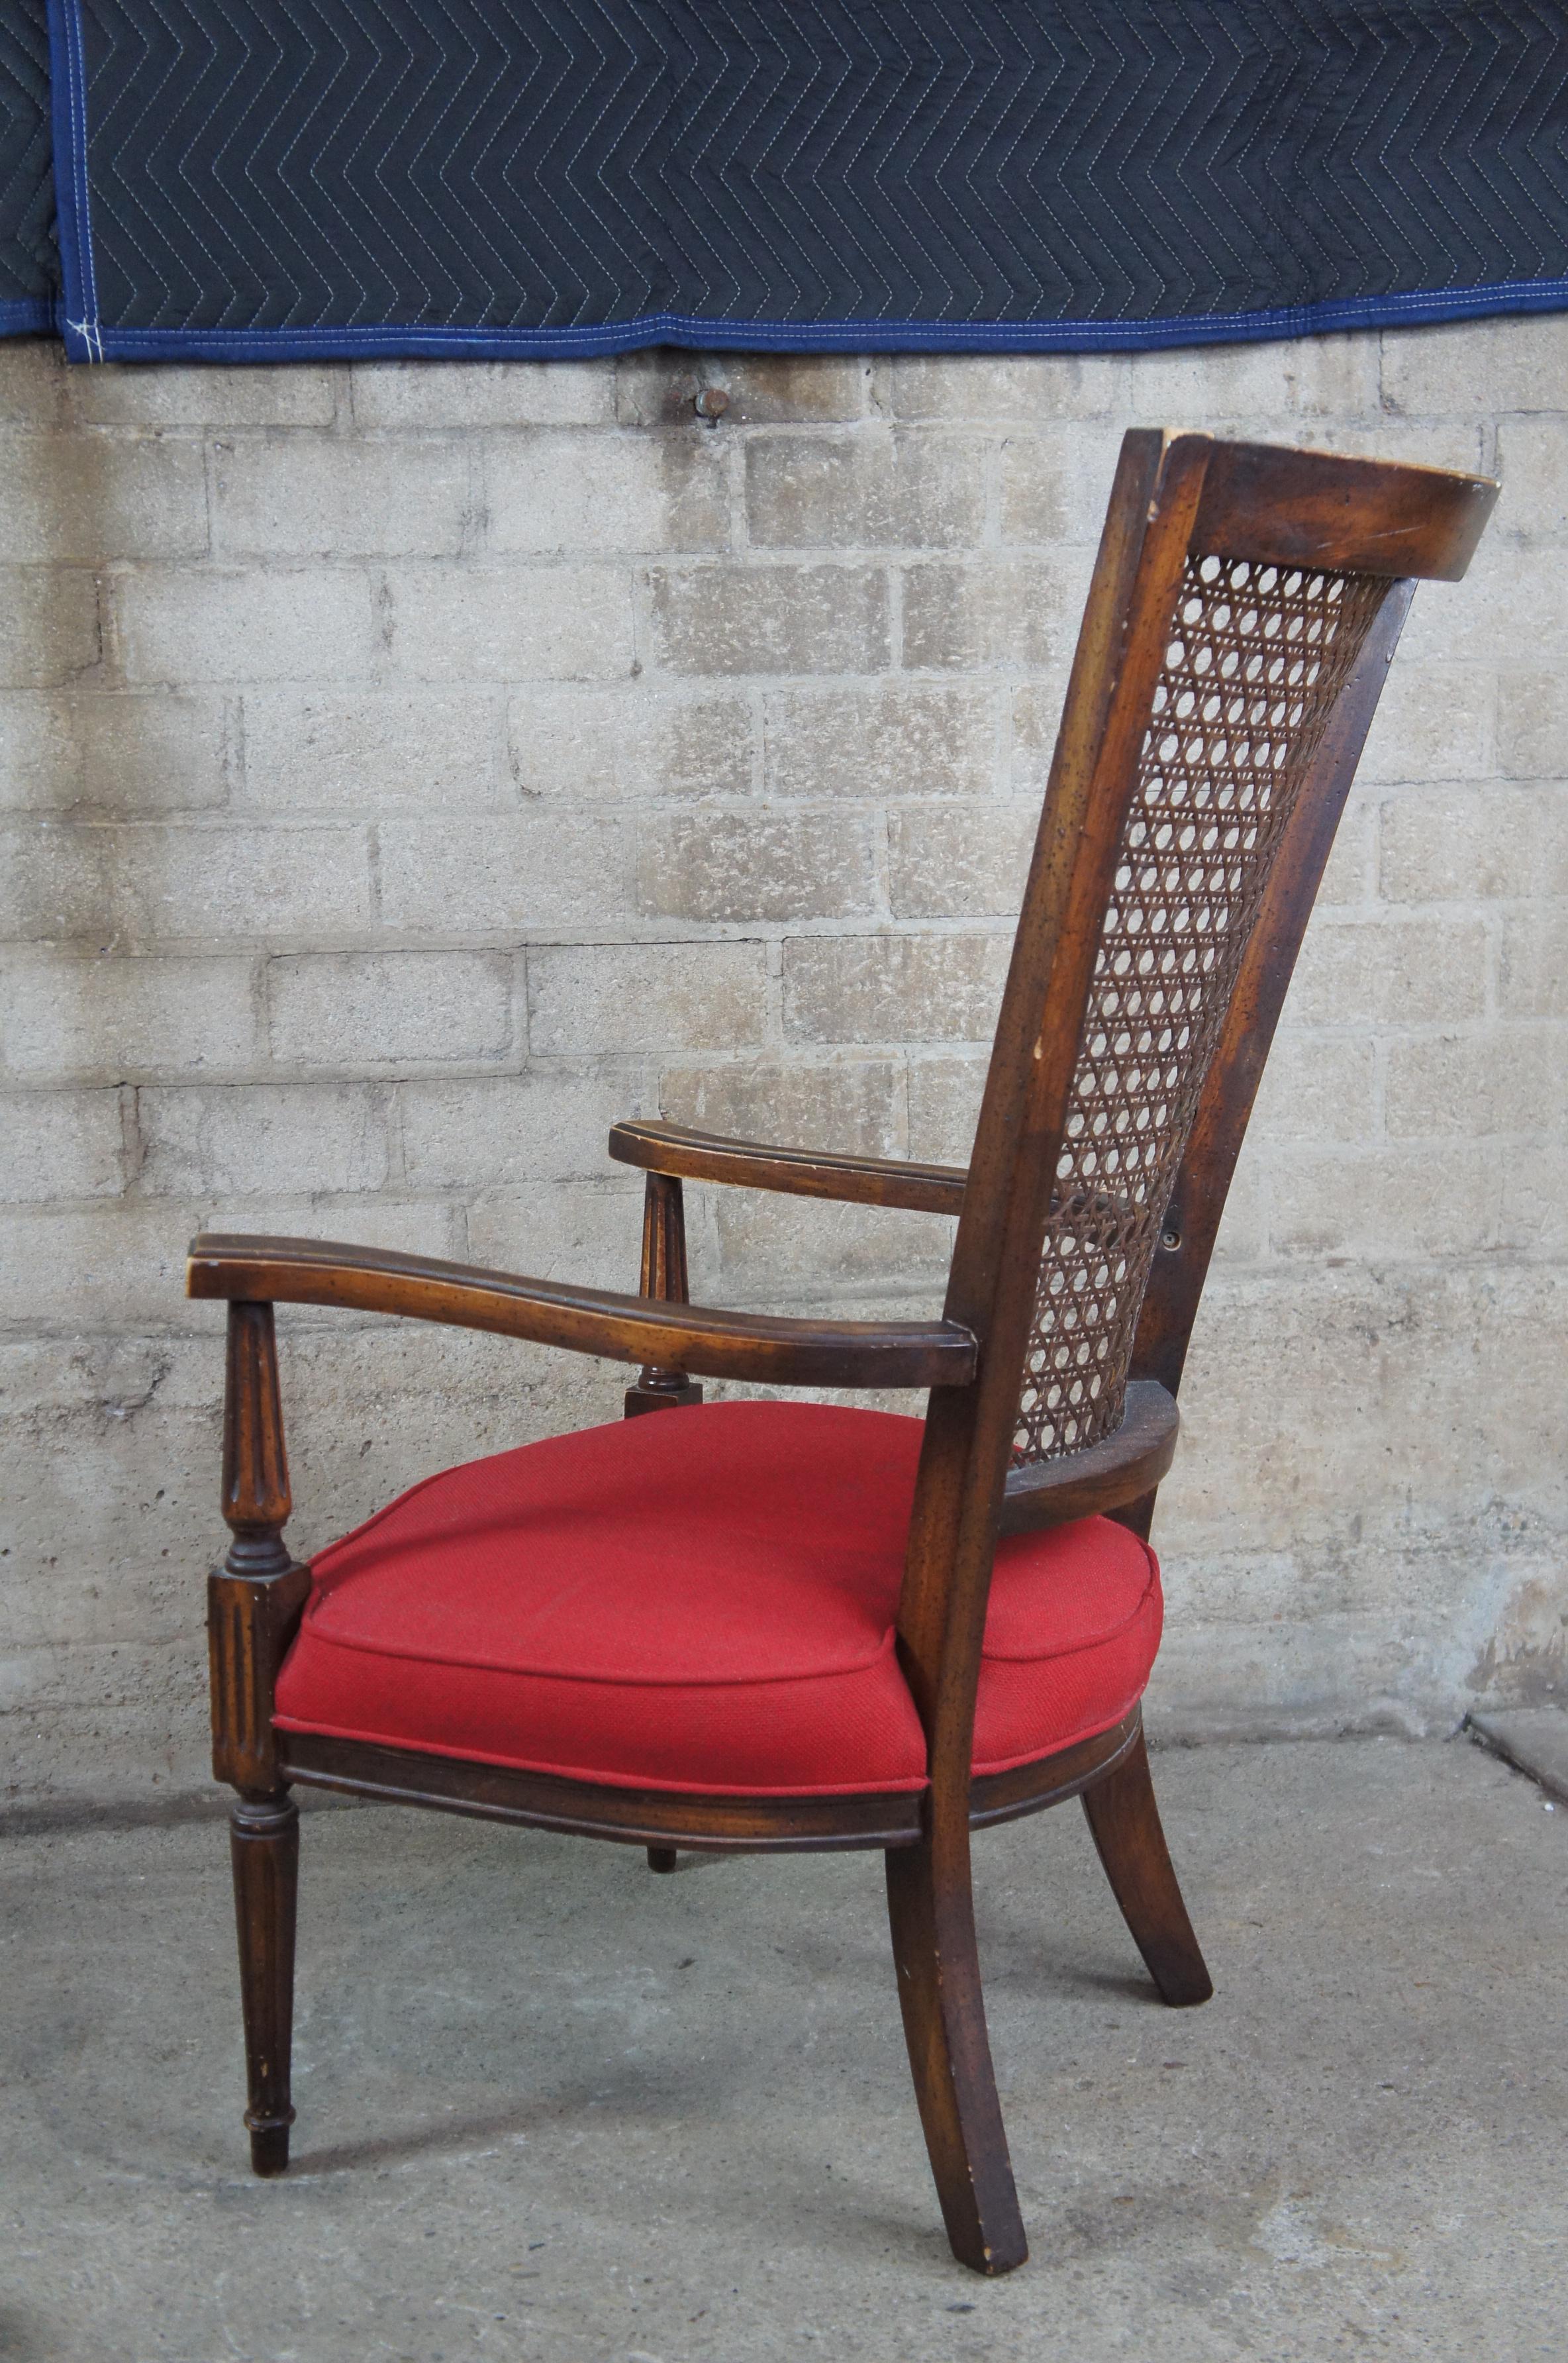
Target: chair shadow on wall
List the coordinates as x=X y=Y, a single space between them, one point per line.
x=783 y=1626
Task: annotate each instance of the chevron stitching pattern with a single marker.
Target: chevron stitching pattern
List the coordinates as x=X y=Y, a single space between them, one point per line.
x=28 y=266
x=330 y=174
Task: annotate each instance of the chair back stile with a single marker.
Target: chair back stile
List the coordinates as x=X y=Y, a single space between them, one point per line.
x=1245 y=606
x=969 y=1433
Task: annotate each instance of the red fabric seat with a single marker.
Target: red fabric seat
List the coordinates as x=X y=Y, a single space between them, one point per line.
x=702 y=1601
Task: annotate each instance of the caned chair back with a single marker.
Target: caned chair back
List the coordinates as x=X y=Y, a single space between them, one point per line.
x=1243 y=609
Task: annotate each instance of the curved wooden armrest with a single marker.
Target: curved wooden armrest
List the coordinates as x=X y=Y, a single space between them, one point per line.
x=719 y=1345
x=803 y=1172
x=1121 y=1468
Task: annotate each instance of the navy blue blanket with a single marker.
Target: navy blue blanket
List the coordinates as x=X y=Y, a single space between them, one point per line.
x=247 y=179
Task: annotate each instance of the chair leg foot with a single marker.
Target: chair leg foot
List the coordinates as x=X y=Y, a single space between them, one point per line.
x=1125 y=1823
x=932 y=1914
x=264 y=1841
x=662 y=1858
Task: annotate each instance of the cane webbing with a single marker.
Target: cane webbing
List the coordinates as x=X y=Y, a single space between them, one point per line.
x=1258 y=656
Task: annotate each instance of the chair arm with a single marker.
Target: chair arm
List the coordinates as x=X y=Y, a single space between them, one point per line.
x=803 y=1172
x=720 y=1344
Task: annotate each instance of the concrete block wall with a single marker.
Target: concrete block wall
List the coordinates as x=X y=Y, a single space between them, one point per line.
x=408 y=770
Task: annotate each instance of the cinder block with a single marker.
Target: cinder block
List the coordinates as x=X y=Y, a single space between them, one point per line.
x=1056 y=483
x=995 y=612
x=1533 y=978
x=1532 y=723
x=629 y=744
x=1510 y=610
x=470 y=874
x=960 y=860
x=1463 y=442
x=118 y=1020
x=49 y=626
x=785 y=1254
x=336 y=496
x=1323 y=377
x=62 y=1265
x=1508 y=1081
x=61 y=1145
x=427 y=1226
x=186 y=626
x=1242 y=1238
x=769 y=865
x=729 y=618
x=1393 y=971
x=1477 y=367
x=659 y=388
x=1433 y=722
x=590 y=1232
x=76 y=499
x=889 y=739
x=905 y=489
x=1385 y=1203
x=515 y=623
x=371 y=750
x=893 y=988
x=1036 y=718
x=401 y=394
x=32 y=382
x=855 y=1105
x=614 y=997
x=1350 y=871
x=1534 y=1217
x=219 y=882
x=988 y=390
x=117 y=394
x=507 y=1131
x=1532 y=462
x=574 y=492
x=41 y=764
x=1456 y=845
x=51 y=881
x=149 y=751
x=1316 y=1088
x=944 y=1107
x=378 y=1011
x=266 y=1139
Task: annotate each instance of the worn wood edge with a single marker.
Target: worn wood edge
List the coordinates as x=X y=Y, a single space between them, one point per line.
x=1121 y=1468
x=706 y=1339
x=1052 y=1779
x=452 y=1784
x=589 y=1809
x=1275 y=503
x=800 y=1172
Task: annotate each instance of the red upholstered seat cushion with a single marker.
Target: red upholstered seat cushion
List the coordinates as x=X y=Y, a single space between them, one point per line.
x=700 y=1600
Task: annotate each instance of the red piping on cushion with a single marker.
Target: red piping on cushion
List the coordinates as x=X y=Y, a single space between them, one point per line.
x=616 y=1681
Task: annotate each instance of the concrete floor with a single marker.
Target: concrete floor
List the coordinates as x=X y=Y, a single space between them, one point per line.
x=554 y=2108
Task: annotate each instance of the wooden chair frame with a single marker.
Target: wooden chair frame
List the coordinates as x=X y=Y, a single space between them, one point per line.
x=1173 y=495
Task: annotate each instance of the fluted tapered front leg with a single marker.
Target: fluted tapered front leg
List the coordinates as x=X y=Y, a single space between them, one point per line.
x=264 y=1840
x=254 y=1603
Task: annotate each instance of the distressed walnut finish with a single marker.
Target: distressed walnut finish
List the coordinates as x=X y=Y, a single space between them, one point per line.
x=1245 y=606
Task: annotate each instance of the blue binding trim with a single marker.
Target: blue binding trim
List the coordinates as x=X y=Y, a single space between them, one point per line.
x=77 y=304
x=86 y=340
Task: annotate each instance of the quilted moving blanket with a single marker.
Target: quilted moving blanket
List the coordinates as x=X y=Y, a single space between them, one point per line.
x=253 y=180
